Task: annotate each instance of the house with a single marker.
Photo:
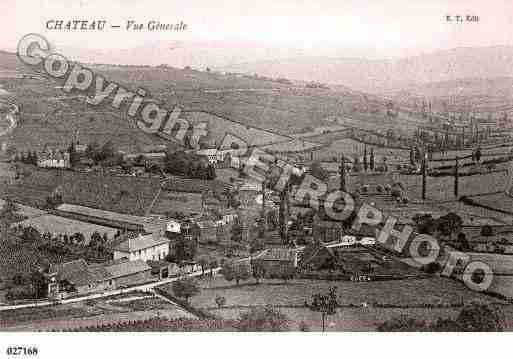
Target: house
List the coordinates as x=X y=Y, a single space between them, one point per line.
x=80 y=278
x=163 y=269
x=216 y=157
x=173 y=229
x=124 y=273
x=142 y=247
x=76 y=277
x=317 y=256
x=348 y=240
x=367 y=241
x=53 y=158
x=276 y=259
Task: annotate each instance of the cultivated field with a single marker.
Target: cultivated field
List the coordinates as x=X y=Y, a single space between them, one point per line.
x=107 y=310
x=362 y=301
x=131 y=195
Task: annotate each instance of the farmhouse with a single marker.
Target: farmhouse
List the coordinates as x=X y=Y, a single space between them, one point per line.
x=75 y=277
x=52 y=158
x=142 y=247
x=317 y=256
x=79 y=278
x=216 y=157
x=123 y=273
x=111 y=219
x=275 y=259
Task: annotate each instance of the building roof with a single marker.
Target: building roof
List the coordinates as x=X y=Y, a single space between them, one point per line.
x=311 y=251
x=123 y=268
x=278 y=254
x=140 y=242
x=206 y=224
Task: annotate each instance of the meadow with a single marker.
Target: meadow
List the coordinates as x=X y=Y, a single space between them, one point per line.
x=364 y=304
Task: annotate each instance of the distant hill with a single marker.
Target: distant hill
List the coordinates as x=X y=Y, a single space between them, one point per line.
x=250 y=104
x=376 y=76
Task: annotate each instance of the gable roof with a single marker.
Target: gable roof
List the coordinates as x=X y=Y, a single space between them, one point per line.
x=140 y=242
x=312 y=250
x=123 y=268
x=278 y=254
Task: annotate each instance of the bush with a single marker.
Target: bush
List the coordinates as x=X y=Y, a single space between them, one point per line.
x=263 y=319
x=220 y=301
x=185 y=288
x=433 y=267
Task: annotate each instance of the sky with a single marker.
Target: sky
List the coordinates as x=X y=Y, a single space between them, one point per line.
x=225 y=32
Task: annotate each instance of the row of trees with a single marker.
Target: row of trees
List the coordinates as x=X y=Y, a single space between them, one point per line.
x=474 y=317
x=188 y=165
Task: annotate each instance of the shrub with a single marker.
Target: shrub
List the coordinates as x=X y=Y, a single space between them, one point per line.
x=433 y=267
x=220 y=301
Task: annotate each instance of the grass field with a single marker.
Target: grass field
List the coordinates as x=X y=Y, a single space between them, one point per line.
x=290 y=297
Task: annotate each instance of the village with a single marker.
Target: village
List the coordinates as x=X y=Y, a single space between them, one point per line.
x=174 y=224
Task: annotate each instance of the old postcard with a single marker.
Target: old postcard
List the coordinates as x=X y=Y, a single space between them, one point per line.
x=178 y=166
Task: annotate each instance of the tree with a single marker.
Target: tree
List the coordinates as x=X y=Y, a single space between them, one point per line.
x=31 y=234
x=480 y=317
x=39 y=284
x=8 y=215
x=185 y=249
x=403 y=323
x=487 y=230
x=213 y=265
x=318 y=172
x=263 y=319
x=449 y=224
x=185 y=288
x=462 y=242
x=236 y=231
x=228 y=271
x=203 y=261
x=220 y=301
x=365 y=164
x=236 y=271
x=425 y=223
x=242 y=272
x=474 y=317
x=258 y=272
x=326 y=304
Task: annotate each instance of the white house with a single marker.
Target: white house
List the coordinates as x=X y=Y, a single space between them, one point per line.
x=50 y=158
x=214 y=155
x=368 y=241
x=145 y=247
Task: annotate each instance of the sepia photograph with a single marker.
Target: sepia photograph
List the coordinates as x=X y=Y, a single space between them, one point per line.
x=238 y=166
